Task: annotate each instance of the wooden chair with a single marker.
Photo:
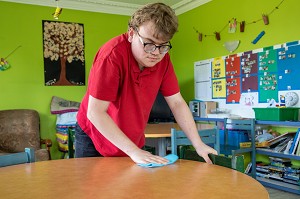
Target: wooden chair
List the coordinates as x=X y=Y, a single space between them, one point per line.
x=17 y=158
x=208 y=136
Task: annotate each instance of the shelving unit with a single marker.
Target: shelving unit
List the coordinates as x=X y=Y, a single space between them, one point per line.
x=236 y=125
x=265 y=181
x=279 y=185
x=278 y=123
x=274 y=183
x=209 y=119
x=276 y=154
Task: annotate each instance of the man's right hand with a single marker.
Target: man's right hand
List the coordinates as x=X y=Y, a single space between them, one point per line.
x=140 y=156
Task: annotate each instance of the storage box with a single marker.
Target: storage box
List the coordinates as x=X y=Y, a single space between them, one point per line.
x=202 y=109
x=276 y=114
x=235 y=137
x=206 y=108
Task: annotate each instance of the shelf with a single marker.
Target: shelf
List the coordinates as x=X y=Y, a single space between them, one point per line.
x=265 y=122
x=279 y=185
x=209 y=119
x=274 y=183
x=276 y=154
x=278 y=123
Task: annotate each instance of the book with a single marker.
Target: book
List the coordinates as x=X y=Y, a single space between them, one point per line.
x=298 y=150
x=275 y=177
x=277 y=159
x=290 y=181
x=276 y=142
x=280 y=138
x=287 y=149
x=282 y=145
x=248 y=168
x=264 y=169
x=295 y=142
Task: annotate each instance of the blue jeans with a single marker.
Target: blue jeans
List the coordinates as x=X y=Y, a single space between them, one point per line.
x=84 y=146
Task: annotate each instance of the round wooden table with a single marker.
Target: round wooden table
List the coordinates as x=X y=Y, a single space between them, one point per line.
x=115 y=178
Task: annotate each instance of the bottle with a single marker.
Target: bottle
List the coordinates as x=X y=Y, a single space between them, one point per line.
x=282 y=101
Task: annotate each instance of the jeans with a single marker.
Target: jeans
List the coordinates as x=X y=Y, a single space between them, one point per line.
x=84 y=146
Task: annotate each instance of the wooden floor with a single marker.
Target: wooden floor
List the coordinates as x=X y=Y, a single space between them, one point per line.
x=277 y=194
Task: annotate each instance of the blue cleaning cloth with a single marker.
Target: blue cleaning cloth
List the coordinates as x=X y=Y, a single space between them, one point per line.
x=171 y=157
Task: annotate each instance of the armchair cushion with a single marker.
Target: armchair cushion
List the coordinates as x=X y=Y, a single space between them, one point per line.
x=19 y=129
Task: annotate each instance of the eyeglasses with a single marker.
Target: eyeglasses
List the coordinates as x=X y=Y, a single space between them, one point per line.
x=151 y=47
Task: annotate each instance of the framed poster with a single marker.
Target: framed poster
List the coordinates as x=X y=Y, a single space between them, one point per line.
x=63 y=51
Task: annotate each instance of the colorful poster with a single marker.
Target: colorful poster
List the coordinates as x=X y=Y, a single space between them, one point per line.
x=267 y=60
x=233 y=86
x=249 y=83
x=249 y=99
x=219 y=88
x=263 y=71
x=268 y=87
x=289 y=68
x=218 y=67
x=249 y=63
x=233 y=66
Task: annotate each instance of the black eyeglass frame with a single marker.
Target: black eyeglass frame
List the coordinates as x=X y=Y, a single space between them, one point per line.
x=156 y=46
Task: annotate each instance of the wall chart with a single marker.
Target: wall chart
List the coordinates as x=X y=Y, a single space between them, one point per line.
x=266 y=71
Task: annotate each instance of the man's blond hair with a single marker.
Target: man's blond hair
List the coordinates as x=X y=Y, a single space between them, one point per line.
x=163 y=17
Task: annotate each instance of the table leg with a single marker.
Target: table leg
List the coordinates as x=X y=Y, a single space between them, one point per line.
x=162 y=146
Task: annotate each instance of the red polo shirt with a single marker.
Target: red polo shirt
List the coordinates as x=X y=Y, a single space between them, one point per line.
x=115 y=76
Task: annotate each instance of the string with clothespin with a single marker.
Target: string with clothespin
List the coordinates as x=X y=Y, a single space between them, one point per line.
x=217 y=34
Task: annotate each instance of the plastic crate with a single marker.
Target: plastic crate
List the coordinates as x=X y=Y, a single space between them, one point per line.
x=235 y=137
x=276 y=114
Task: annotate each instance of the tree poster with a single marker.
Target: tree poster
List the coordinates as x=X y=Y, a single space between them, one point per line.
x=63 y=46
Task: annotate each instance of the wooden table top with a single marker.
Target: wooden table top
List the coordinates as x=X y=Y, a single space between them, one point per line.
x=164 y=129
x=120 y=177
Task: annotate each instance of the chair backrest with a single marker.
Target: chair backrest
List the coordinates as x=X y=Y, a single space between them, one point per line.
x=235 y=162
x=17 y=158
x=19 y=129
x=239 y=124
x=208 y=136
x=247 y=125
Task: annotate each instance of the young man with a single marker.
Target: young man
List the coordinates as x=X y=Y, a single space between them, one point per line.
x=127 y=73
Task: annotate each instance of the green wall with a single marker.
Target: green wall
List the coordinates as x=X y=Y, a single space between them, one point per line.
x=284 y=26
x=22 y=86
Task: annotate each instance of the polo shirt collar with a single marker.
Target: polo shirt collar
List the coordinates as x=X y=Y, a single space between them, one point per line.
x=147 y=70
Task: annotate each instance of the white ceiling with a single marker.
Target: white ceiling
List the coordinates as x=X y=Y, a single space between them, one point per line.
x=121 y=7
